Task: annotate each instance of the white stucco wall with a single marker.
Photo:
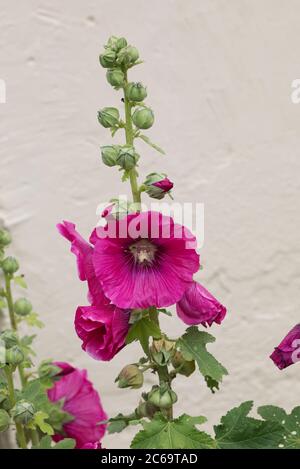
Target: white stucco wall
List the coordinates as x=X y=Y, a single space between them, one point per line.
x=218 y=74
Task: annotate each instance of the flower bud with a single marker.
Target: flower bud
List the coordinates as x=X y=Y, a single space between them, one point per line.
x=9 y=338
x=115 y=77
x=121 y=43
x=14 y=355
x=162 y=350
x=143 y=118
x=146 y=409
x=4 y=420
x=23 y=412
x=47 y=369
x=10 y=265
x=108 y=117
x=108 y=58
x=157 y=185
x=5 y=238
x=136 y=92
x=22 y=307
x=185 y=367
x=127 y=55
x=109 y=155
x=162 y=397
x=116 y=43
x=127 y=158
x=130 y=377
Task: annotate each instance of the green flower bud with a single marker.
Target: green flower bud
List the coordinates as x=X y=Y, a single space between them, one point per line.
x=4 y=420
x=14 y=355
x=115 y=77
x=185 y=367
x=162 y=397
x=108 y=117
x=10 y=265
x=121 y=43
x=23 y=412
x=22 y=307
x=5 y=238
x=109 y=155
x=127 y=158
x=146 y=409
x=143 y=118
x=116 y=43
x=48 y=370
x=108 y=58
x=157 y=185
x=127 y=55
x=136 y=92
x=162 y=350
x=9 y=338
x=130 y=377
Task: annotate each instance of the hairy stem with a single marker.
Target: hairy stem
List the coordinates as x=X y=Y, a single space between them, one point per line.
x=11 y=392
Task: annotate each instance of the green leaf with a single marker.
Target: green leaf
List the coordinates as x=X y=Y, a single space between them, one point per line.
x=33 y=320
x=175 y=434
x=238 y=431
x=193 y=347
x=290 y=423
x=125 y=176
x=2 y=303
x=193 y=420
x=141 y=330
x=39 y=421
x=116 y=425
x=66 y=443
x=45 y=443
x=153 y=145
x=19 y=280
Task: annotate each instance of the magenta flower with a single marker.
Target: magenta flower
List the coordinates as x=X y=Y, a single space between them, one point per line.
x=143 y=260
x=102 y=329
x=198 y=306
x=82 y=402
x=165 y=184
x=83 y=251
x=288 y=351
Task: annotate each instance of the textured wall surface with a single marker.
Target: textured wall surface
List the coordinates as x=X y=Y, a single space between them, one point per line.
x=219 y=76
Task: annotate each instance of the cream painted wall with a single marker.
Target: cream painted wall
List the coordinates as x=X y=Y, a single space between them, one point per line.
x=219 y=75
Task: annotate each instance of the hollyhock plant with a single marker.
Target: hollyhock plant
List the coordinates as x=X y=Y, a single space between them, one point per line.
x=198 y=306
x=288 y=351
x=102 y=329
x=82 y=402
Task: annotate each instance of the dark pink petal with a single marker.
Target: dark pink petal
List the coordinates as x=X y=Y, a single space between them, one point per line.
x=198 y=306
x=288 y=351
x=165 y=184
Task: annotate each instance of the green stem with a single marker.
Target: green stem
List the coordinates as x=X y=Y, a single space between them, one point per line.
x=129 y=141
x=11 y=393
x=13 y=321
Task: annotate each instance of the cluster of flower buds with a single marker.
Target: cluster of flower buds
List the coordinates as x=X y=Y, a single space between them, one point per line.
x=130 y=377
x=124 y=156
x=157 y=185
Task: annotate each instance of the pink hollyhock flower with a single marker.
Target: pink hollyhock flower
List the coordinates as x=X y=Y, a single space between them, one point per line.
x=165 y=184
x=83 y=251
x=91 y=446
x=82 y=402
x=288 y=351
x=102 y=329
x=198 y=306
x=144 y=259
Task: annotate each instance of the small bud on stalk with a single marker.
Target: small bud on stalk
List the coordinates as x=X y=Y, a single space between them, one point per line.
x=9 y=338
x=157 y=185
x=143 y=118
x=10 y=265
x=146 y=409
x=127 y=56
x=48 y=370
x=116 y=43
x=127 y=158
x=14 y=355
x=162 y=350
x=109 y=155
x=130 y=377
x=23 y=412
x=162 y=397
x=115 y=77
x=108 y=117
x=4 y=420
x=108 y=59
x=185 y=367
x=22 y=307
x=136 y=92
x=5 y=238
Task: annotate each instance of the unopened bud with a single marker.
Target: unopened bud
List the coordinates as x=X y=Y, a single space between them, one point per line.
x=9 y=338
x=108 y=58
x=23 y=412
x=108 y=117
x=5 y=238
x=14 y=355
x=127 y=158
x=10 y=265
x=182 y=366
x=116 y=43
x=130 y=377
x=115 y=77
x=109 y=155
x=4 y=420
x=127 y=55
x=146 y=409
x=162 y=397
x=143 y=118
x=162 y=350
x=157 y=185
x=136 y=92
x=48 y=370
x=22 y=307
